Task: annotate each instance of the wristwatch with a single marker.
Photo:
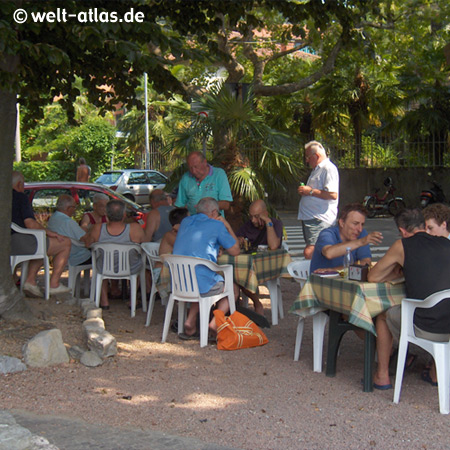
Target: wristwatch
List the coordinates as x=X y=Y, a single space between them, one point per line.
x=269 y=224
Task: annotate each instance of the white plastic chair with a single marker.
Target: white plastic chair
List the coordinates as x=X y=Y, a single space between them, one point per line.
x=185 y=290
x=74 y=282
x=40 y=253
x=299 y=270
x=152 y=251
x=439 y=350
x=116 y=265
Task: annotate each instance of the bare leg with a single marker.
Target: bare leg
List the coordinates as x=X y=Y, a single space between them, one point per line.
x=308 y=251
x=190 y=325
x=59 y=248
x=222 y=305
x=259 y=308
x=104 y=294
x=33 y=268
x=384 y=350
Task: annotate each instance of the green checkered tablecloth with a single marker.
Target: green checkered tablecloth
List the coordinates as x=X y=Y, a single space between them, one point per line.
x=360 y=301
x=251 y=270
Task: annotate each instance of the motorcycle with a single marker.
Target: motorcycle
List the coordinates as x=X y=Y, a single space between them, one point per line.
x=433 y=195
x=387 y=203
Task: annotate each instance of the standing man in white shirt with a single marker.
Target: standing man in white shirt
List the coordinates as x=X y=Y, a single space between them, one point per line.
x=320 y=196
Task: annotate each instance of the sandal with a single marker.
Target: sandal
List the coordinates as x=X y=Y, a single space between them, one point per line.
x=426 y=377
x=189 y=337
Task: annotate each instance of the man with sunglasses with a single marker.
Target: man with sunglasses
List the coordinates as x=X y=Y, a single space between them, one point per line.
x=320 y=196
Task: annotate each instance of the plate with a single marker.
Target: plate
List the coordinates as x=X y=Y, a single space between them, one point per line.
x=329 y=274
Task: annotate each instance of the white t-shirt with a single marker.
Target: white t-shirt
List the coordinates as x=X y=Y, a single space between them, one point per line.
x=326 y=178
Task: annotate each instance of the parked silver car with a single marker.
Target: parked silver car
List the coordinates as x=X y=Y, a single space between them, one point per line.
x=135 y=184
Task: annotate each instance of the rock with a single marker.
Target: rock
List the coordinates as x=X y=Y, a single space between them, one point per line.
x=15 y=437
x=91 y=359
x=45 y=349
x=86 y=305
x=9 y=364
x=102 y=342
x=94 y=323
x=75 y=352
x=95 y=313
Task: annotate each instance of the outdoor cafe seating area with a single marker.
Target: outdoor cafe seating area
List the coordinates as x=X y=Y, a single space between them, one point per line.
x=322 y=299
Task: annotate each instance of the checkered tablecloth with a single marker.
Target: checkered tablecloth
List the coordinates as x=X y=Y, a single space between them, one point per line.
x=360 y=301
x=251 y=270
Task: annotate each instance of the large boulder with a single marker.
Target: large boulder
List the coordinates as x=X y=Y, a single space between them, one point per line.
x=45 y=349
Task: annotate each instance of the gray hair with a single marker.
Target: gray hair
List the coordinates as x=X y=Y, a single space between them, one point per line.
x=64 y=201
x=100 y=198
x=17 y=177
x=115 y=210
x=316 y=148
x=207 y=205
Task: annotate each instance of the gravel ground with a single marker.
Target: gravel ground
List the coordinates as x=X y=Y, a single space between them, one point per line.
x=252 y=399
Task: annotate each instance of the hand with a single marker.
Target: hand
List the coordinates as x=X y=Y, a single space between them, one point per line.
x=264 y=218
x=304 y=190
x=241 y=240
x=375 y=237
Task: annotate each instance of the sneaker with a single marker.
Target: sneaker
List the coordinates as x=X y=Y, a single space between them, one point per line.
x=61 y=289
x=31 y=290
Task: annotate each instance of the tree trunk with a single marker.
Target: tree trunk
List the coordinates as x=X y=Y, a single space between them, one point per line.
x=12 y=304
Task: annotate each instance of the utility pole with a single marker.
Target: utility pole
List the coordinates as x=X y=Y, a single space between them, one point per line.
x=147 y=146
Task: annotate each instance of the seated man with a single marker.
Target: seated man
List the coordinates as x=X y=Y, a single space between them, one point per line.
x=157 y=220
x=57 y=246
x=61 y=222
x=437 y=220
x=332 y=243
x=201 y=236
x=119 y=232
x=259 y=230
x=424 y=260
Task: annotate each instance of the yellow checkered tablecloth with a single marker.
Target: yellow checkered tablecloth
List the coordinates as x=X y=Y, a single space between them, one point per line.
x=251 y=270
x=360 y=301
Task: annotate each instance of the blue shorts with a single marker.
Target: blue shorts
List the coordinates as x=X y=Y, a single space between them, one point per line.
x=311 y=230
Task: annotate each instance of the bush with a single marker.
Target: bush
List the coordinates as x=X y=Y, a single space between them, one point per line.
x=47 y=170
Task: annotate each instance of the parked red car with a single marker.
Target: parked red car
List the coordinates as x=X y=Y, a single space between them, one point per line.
x=43 y=196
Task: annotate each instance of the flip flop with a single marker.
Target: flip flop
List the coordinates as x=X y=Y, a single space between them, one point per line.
x=426 y=377
x=382 y=387
x=189 y=337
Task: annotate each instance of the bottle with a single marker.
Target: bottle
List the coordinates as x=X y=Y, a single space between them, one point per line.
x=348 y=261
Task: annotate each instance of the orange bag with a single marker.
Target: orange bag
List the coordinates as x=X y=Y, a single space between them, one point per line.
x=237 y=331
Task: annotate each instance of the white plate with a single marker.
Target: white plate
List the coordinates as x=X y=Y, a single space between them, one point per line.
x=328 y=275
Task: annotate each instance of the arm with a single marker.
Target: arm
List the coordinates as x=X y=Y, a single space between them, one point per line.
x=224 y=205
x=153 y=221
x=318 y=193
x=137 y=234
x=388 y=267
x=85 y=223
x=93 y=235
x=234 y=250
x=334 y=251
x=273 y=240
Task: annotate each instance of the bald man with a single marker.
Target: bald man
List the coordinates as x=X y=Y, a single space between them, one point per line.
x=259 y=230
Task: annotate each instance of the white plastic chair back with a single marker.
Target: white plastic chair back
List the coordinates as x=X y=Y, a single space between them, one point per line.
x=116 y=265
x=299 y=270
x=185 y=290
x=40 y=253
x=151 y=249
x=439 y=350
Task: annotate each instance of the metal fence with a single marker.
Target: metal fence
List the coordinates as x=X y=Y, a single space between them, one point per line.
x=390 y=153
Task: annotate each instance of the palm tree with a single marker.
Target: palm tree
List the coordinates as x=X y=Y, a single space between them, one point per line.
x=256 y=158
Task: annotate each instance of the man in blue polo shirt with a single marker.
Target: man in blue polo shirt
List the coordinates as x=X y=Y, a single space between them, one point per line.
x=203 y=180
x=332 y=243
x=201 y=236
